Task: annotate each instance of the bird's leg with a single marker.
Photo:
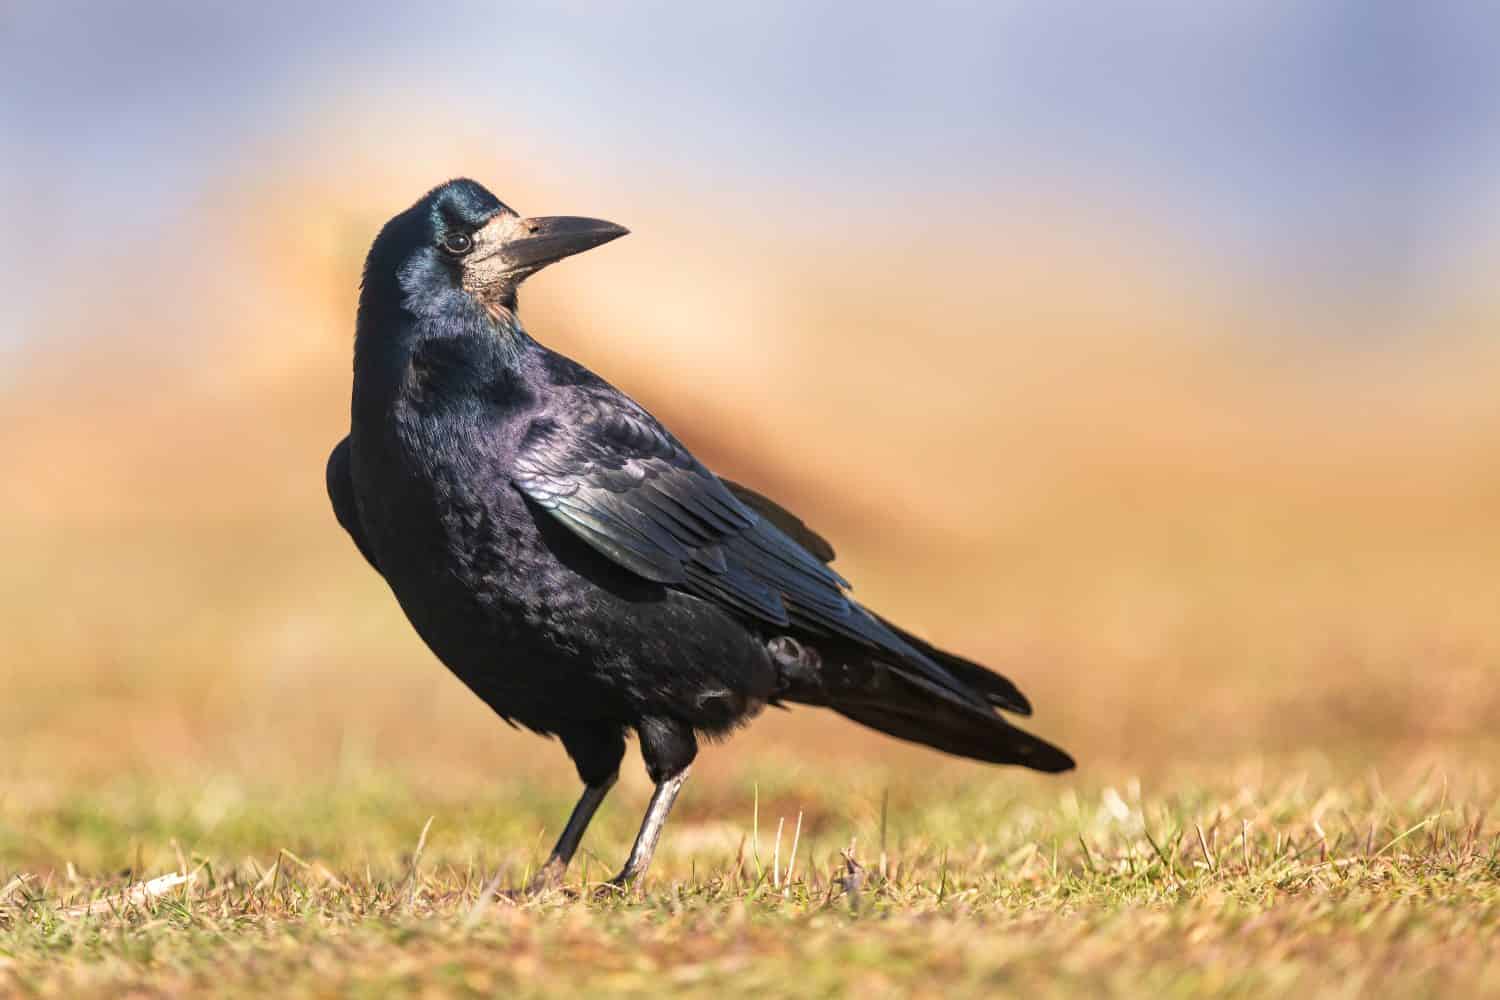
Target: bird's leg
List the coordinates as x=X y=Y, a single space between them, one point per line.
x=551 y=873
x=651 y=827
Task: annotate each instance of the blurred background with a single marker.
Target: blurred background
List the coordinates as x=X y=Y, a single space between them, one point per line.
x=1147 y=354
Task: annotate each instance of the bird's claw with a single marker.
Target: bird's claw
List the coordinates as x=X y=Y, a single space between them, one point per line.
x=549 y=876
x=533 y=892
x=616 y=888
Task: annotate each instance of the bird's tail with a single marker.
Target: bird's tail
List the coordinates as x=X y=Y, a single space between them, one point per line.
x=920 y=717
x=860 y=685
x=996 y=690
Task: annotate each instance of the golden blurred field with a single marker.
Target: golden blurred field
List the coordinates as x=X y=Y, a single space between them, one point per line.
x=1188 y=534
x=1201 y=541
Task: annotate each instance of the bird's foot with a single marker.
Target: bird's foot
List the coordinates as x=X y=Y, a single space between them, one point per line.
x=531 y=894
x=623 y=886
x=548 y=877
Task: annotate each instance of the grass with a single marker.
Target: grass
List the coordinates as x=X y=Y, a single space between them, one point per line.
x=962 y=884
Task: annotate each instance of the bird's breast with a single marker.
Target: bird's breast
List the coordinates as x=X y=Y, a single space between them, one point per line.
x=453 y=537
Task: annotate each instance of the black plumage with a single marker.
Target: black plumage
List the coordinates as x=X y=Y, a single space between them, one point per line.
x=573 y=563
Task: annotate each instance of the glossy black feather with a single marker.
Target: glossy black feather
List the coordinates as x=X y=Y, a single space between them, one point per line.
x=784 y=519
x=341 y=495
x=618 y=479
x=577 y=567
x=997 y=690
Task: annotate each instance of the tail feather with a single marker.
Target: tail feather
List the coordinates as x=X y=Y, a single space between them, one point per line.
x=891 y=695
x=995 y=689
x=920 y=717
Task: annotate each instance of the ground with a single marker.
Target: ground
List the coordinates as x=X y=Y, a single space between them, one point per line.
x=1243 y=880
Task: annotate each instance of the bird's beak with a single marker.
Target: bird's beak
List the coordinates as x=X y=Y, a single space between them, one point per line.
x=532 y=244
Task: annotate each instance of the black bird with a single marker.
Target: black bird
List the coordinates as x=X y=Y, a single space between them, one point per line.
x=573 y=563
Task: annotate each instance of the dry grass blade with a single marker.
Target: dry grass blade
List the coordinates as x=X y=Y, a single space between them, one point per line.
x=138 y=896
x=1167 y=866
x=487 y=894
x=416 y=860
x=1208 y=855
x=13 y=886
x=1420 y=825
x=776 y=856
x=791 y=861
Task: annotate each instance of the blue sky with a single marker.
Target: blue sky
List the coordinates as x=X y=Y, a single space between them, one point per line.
x=1347 y=144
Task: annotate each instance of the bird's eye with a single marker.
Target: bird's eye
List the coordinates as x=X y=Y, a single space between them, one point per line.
x=458 y=244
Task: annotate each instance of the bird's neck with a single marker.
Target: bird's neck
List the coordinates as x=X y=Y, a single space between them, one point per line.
x=459 y=352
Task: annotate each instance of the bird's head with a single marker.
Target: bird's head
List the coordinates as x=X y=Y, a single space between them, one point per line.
x=460 y=240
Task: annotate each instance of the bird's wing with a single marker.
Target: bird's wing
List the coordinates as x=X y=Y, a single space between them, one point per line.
x=341 y=494
x=997 y=690
x=784 y=519
x=620 y=481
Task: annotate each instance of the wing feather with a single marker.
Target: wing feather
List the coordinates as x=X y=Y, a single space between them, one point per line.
x=621 y=482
